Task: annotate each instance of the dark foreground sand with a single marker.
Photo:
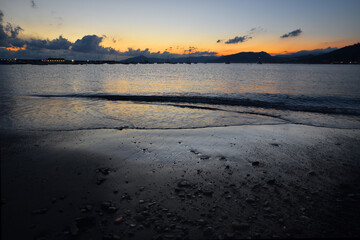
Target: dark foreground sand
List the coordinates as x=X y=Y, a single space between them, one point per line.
x=217 y=183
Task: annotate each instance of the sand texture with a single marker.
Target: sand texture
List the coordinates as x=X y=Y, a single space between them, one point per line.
x=275 y=181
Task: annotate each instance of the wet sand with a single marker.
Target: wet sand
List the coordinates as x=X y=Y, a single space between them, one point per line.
x=279 y=181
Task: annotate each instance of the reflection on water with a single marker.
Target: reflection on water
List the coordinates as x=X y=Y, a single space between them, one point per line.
x=214 y=79
x=296 y=88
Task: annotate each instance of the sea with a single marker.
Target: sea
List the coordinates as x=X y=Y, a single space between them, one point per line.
x=177 y=96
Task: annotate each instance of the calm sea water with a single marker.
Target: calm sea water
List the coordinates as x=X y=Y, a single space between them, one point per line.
x=66 y=97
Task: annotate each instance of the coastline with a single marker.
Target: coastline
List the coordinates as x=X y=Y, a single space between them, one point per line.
x=262 y=181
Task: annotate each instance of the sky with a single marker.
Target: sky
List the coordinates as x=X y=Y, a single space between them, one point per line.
x=124 y=28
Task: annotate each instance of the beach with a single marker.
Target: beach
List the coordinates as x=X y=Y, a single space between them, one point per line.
x=250 y=181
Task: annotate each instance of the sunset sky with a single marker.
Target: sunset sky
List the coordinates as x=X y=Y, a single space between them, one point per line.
x=207 y=26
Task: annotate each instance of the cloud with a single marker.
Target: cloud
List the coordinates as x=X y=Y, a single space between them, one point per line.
x=191 y=49
x=294 y=33
x=258 y=29
x=91 y=44
x=33 y=4
x=9 y=34
x=203 y=53
x=238 y=39
x=86 y=48
x=56 y=44
x=13 y=31
x=137 y=52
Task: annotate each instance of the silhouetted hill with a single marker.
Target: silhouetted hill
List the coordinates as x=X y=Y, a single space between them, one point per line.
x=143 y=59
x=202 y=59
x=307 y=53
x=246 y=57
x=348 y=54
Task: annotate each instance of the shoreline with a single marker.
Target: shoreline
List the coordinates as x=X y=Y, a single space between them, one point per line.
x=258 y=181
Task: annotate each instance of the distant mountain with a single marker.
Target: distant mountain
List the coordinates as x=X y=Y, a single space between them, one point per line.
x=202 y=59
x=143 y=59
x=343 y=55
x=246 y=57
x=307 y=52
x=349 y=54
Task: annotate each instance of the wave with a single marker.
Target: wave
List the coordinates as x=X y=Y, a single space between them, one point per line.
x=319 y=104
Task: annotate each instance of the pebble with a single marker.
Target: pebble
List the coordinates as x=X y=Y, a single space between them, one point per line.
x=229 y=235
x=267 y=209
x=201 y=221
x=208 y=232
x=249 y=200
x=39 y=211
x=304 y=218
x=208 y=192
x=110 y=237
x=106 y=205
x=104 y=171
x=311 y=173
x=256 y=163
x=240 y=226
x=139 y=218
x=183 y=183
x=112 y=209
x=85 y=222
x=109 y=207
x=99 y=181
x=119 y=219
x=204 y=157
x=271 y=182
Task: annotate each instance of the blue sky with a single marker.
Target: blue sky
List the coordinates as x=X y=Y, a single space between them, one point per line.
x=175 y=25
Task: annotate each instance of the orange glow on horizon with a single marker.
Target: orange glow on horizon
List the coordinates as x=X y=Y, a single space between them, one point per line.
x=14 y=49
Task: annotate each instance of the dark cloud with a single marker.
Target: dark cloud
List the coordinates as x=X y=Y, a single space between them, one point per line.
x=91 y=44
x=13 y=31
x=136 y=52
x=33 y=4
x=294 y=33
x=87 y=48
x=255 y=30
x=59 y=43
x=203 y=53
x=9 y=34
x=238 y=39
x=56 y=44
x=191 y=49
